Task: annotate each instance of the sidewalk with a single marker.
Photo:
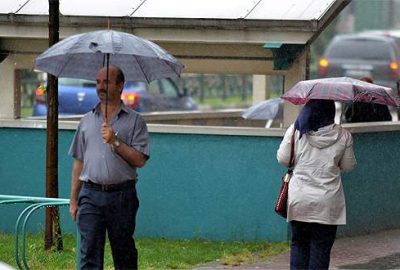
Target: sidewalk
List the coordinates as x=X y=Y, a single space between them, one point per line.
x=374 y=251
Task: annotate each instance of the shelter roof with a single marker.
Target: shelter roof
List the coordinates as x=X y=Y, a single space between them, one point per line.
x=206 y=9
x=259 y=30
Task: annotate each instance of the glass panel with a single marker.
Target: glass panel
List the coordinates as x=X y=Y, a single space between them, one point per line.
x=219 y=91
x=221 y=9
x=169 y=89
x=206 y=99
x=11 y=6
x=29 y=84
x=154 y=88
x=290 y=10
x=99 y=7
x=76 y=82
x=227 y=9
x=35 y=7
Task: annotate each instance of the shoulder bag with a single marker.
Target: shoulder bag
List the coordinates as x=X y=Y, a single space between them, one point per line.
x=281 y=202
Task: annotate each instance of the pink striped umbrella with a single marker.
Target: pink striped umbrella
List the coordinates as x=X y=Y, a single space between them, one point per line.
x=343 y=89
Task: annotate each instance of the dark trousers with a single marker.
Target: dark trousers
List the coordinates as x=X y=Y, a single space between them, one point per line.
x=311 y=245
x=113 y=213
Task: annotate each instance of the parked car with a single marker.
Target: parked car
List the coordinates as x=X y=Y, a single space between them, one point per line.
x=362 y=55
x=77 y=96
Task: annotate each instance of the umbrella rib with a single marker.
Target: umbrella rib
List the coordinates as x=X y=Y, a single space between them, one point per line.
x=153 y=48
x=70 y=56
x=309 y=92
x=171 y=67
x=141 y=69
x=166 y=61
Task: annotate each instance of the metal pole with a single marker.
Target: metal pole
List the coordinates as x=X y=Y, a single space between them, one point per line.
x=107 y=68
x=52 y=129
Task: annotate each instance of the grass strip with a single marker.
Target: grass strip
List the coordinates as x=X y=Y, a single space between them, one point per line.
x=154 y=253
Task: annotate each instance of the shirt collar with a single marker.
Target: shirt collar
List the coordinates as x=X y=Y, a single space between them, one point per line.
x=123 y=108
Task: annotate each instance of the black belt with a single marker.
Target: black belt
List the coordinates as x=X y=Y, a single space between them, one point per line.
x=111 y=187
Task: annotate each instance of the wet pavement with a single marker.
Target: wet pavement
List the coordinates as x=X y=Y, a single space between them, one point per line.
x=378 y=251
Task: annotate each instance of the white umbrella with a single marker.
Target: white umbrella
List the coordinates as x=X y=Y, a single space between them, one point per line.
x=270 y=109
x=82 y=55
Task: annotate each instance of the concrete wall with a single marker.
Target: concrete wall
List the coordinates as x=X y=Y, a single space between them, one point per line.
x=211 y=186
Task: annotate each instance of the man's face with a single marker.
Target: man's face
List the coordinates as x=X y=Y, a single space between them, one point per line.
x=114 y=88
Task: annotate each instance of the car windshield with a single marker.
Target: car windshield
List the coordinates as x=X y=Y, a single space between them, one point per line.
x=360 y=49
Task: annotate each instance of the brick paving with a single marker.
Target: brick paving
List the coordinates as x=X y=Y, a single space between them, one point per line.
x=378 y=251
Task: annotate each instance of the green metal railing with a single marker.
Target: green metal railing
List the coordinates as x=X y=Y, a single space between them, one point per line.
x=36 y=203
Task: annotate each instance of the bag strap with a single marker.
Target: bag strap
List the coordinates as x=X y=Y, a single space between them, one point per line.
x=292 y=155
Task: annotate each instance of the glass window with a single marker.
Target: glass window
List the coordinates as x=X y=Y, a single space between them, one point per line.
x=154 y=88
x=200 y=95
x=169 y=89
x=76 y=82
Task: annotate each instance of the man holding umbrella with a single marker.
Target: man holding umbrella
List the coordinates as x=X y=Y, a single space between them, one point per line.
x=111 y=141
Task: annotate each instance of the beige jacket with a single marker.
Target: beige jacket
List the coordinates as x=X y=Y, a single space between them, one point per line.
x=315 y=190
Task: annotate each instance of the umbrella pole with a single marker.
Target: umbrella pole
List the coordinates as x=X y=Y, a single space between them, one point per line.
x=107 y=67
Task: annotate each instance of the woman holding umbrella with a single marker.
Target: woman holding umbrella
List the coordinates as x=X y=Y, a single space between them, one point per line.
x=316 y=203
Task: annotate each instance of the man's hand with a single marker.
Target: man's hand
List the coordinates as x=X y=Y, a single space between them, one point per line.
x=76 y=186
x=107 y=133
x=73 y=209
